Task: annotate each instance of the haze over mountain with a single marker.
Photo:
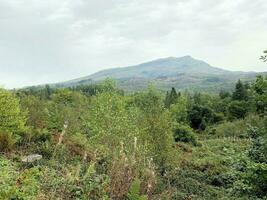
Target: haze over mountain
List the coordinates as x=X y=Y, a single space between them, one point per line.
x=179 y=72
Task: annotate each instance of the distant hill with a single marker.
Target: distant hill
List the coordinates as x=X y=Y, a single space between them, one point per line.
x=179 y=72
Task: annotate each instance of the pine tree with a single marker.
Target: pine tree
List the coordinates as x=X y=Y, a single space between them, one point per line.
x=167 y=100
x=240 y=92
x=171 y=98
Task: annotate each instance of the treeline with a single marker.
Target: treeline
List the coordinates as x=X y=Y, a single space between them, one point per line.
x=99 y=143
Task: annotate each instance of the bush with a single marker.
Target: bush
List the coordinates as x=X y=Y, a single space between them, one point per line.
x=183 y=133
x=14 y=185
x=7 y=141
x=258 y=150
x=201 y=116
x=229 y=129
x=242 y=128
x=134 y=192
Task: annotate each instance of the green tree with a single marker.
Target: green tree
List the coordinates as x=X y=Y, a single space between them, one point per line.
x=237 y=109
x=253 y=179
x=260 y=88
x=12 y=119
x=111 y=123
x=171 y=98
x=224 y=94
x=70 y=107
x=240 y=92
x=201 y=116
x=38 y=114
x=179 y=110
x=156 y=125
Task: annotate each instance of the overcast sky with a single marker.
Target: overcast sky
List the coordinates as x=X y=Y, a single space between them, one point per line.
x=43 y=41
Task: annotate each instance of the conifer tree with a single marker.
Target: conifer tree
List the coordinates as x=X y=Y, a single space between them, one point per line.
x=171 y=98
x=240 y=92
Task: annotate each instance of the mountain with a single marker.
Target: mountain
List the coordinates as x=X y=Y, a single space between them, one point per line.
x=179 y=72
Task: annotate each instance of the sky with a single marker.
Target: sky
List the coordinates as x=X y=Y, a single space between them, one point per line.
x=46 y=41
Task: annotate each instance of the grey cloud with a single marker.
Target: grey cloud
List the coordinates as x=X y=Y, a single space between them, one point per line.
x=55 y=40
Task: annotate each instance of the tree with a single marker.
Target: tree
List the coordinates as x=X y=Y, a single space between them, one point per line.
x=260 y=85
x=179 y=111
x=156 y=125
x=12 y=119
x=254 y=176
x=224 y=94
x=171 y=98
x=37 y=110
x=69 y=107
x=200 y=116
x=110 y=123
x=237 y=109
x=240 y=92
x=48 y=91
x=260 y=88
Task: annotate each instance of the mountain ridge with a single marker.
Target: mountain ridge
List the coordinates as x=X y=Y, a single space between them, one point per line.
x=183 y=72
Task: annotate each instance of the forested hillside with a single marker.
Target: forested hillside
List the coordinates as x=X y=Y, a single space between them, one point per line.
x=180 y=72
x=95 y=142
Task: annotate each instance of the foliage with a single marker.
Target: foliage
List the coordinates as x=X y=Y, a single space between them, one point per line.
x=201 y=116
x=183 y=133
x=260 y=88
x=12 y=120
x=224 y=94
x=156 y=124
x=171 y=98
x=18 y=186
x=240 y=93
x=246 y=128
x=84 y=183
x=179 y=110
x=98 y=143
x=134 y=191
x=7 y=141
x=237 y=109
x=110 y=122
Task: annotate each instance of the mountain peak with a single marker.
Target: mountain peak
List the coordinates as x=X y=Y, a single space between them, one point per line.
x=176 y=58
x=167 y=67
x=180 y=72
x=186 y=57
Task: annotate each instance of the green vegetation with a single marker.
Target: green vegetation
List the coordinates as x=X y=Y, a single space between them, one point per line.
x=183 y=73
x=98 y=143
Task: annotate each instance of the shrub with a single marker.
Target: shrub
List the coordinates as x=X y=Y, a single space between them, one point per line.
x=134 y=191
x=23 y=185
x=84 y=183
x=229 y=129
x=121 y=176
x=7 y=141
x=201 y=116
x=242 y=128
x=183 y=133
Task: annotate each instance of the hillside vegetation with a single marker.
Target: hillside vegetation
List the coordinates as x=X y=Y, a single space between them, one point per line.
x=95 y=142
x=182 y=73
